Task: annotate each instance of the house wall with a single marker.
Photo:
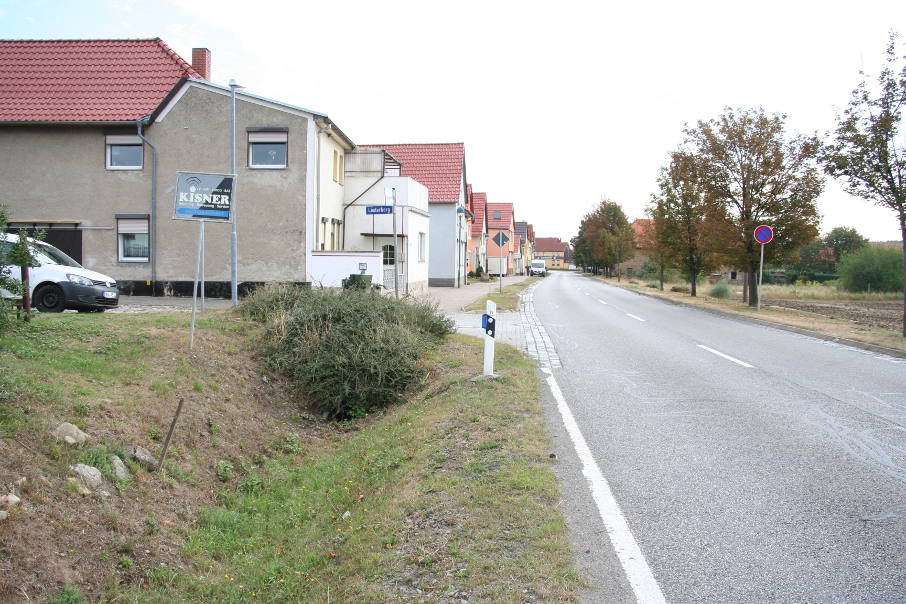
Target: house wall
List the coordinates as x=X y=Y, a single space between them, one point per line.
x=331 y=196
x=54 y=173
x=331 y=267
x=445 y=231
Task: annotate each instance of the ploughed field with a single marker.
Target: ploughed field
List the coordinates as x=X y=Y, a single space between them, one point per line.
x=886 y=315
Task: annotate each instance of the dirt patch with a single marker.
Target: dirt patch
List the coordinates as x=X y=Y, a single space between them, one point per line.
x=886 y=315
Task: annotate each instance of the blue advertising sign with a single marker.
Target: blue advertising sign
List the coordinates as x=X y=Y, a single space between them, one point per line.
x=201 y=196
x=378 y=209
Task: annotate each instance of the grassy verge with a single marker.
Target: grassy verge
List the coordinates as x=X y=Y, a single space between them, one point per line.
x=451 y=494
x=508 y=299
x=838 y=328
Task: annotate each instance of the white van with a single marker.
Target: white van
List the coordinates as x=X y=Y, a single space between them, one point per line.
x=60 y=282
x=538 y=268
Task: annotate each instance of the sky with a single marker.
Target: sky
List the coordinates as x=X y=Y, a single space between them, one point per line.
x=559 y=104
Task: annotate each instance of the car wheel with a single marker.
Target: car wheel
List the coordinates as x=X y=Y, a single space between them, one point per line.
x=49 y=298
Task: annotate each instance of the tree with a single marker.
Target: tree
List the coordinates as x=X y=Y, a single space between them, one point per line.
x=756 y=175
x=844 y=240
x=868 y=154
x=690 y=224
x=872 y=269
x=654 y=239
x=605 y=238
x=815 y=257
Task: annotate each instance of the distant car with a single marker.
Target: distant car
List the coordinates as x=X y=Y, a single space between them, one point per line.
x=59 y=282
x=538 y=268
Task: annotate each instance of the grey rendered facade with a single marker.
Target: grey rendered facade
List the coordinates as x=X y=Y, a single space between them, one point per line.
x=56 y=176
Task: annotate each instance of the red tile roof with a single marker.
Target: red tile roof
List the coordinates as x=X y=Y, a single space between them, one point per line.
x=86 y=80
x=549 y=244
x=479 y=203
x=438 y=166
x=506 y=216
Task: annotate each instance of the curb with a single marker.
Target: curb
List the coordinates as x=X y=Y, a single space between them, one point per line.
x=892 y=352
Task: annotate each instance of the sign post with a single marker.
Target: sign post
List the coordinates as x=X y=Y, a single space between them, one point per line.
x=489 y=323
x=763 y=234
x=501 y=239
x=206 y=198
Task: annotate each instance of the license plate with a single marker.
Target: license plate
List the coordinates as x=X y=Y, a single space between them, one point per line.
x=110 y=294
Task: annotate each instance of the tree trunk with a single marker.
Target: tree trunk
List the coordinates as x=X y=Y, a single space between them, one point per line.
x=745 y=289
x=753 y=284
x=662 y=277
x=693 y=282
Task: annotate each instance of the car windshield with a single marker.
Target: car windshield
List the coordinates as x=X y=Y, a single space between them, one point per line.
x=538 y=263
x=48 y=254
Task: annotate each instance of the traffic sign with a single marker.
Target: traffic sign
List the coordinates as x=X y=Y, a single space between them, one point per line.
x=500 y=239
x=378 y=209
x=764 y=234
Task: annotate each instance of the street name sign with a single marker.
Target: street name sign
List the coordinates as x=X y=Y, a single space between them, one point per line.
x=378 y=209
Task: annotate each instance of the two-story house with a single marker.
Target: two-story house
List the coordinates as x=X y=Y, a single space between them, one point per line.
x=501 y=259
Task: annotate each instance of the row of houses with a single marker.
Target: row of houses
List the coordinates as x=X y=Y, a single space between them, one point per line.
x=94 y=132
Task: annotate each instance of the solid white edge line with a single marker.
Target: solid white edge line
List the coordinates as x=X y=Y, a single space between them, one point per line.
x=638 y=573
x=635 y=317
x=726 y=356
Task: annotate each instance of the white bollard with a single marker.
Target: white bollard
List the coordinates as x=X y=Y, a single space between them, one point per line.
x=491 y=311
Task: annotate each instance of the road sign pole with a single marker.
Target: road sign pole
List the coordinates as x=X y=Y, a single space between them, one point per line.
x=760 y=272
x=396 y=250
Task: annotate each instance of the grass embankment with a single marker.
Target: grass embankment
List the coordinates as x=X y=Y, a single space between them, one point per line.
x=450 y=493
x=820 y=323
x=508 y=299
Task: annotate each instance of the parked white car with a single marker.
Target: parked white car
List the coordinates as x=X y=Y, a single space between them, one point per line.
x=538 y=268
x=60 y=283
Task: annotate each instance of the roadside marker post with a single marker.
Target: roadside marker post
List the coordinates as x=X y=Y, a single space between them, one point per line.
x=489 y=323
x=763 y=234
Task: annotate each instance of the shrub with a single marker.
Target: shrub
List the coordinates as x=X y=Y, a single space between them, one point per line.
x=682 y=289
x=224 y=470
x=69 y=595
x=872 y=269
x=720 y=290
x=349 y=351
x=271 y=300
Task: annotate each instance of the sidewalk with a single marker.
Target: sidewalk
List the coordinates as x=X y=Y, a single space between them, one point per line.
x=453 y=299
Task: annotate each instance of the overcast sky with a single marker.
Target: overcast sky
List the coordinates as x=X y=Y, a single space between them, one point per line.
x=558 y=103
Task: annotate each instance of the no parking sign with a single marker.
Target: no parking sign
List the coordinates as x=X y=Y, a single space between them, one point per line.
x=764 y=234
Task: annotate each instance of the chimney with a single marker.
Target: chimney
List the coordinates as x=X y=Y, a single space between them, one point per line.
x=201 y=62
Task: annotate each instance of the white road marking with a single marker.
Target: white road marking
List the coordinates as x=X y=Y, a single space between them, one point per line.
x=638 y=573
x=602 y=302
x=726 y=356
x=635 y=317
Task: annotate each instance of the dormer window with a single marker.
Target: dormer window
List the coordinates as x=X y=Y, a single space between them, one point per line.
x=497 y=215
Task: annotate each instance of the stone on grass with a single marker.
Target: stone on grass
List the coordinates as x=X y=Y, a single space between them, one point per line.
x=69 y=434
x=9 y=501
x=4 y=516
x=119 y=468
x=143 y=456
x=89 y=475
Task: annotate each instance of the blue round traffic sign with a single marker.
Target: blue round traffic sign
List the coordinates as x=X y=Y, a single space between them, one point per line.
x=764 y=233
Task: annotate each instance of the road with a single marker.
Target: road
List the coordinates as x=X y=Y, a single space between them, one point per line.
x=750 y=464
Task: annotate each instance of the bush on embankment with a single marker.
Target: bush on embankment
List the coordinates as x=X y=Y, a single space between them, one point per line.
x=349 y=351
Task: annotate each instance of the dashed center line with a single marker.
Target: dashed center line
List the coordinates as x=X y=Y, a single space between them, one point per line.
x=726 y=356
x=603 y=302
x=635 y=317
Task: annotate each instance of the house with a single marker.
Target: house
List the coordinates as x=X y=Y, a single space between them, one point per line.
x=373 y=181
x=440 y=167
x=641 y=254
x=526 y=235
x=93 y=133
x=478 y=246
x=501 y=259
x=552 y=251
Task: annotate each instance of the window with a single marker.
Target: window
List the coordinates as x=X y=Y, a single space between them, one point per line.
x=124 y=152
x=497 y=215
x=267 y=148
x=389 y=254
x=421 y=247
x=338 y=167
x=132 y=237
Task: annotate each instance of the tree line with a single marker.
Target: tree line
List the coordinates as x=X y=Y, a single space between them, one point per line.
x=743 y=169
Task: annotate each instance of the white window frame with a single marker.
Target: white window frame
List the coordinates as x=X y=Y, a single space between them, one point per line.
x=269 y=137
x=122 y=140
x=422 y=240
x=125 y=226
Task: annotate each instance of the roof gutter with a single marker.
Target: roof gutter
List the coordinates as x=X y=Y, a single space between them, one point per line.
x=152 y=228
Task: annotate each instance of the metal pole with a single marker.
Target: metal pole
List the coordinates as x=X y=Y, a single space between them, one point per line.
x=234 y=252
x=202 y=265
x=502 y=268
x=195 y=286
x=396 y=251
x=163 y=455
x=760 y=272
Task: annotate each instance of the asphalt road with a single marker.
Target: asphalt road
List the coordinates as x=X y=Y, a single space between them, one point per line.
x=751 y=464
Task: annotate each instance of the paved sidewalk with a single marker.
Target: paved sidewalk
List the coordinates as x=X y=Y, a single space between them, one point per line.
x=454 y=299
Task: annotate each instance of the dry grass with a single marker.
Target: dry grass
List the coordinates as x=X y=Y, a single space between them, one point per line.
x=508 y=299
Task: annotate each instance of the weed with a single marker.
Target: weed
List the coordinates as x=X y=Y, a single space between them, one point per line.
x=198 y=386
x=155 y=433
x=252 y=484
x=490 y=445
x=152 y=524
x=720 y=290
x=83 y=409
x=290 y=444
x=125 y=562
x=213 y=428
x=70 y=594
x=224 y=470
x=161 y=386
x=99 y=456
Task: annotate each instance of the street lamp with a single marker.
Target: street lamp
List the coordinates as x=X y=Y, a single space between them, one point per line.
x=234 y=253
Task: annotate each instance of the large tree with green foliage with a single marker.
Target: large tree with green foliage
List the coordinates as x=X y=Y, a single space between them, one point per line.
x=605 y=238
x=868 y=152
x=758 y=175
x=689 y=225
